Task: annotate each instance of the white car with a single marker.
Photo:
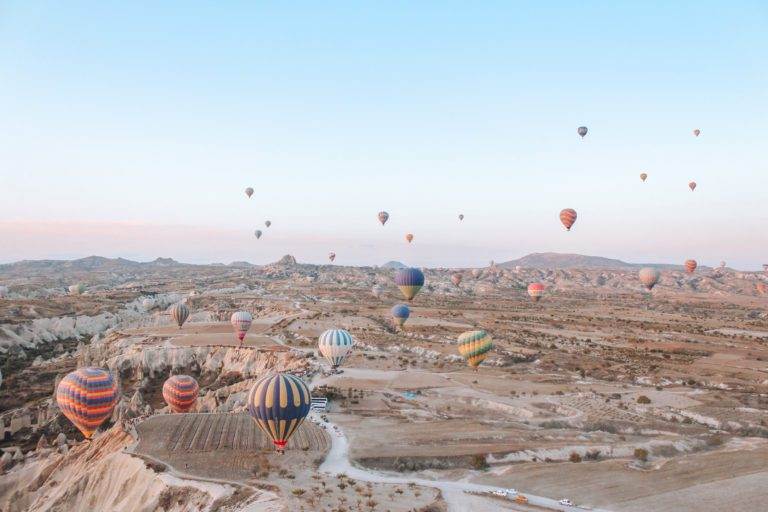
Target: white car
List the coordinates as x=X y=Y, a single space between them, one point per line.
x=500 y=492
x=511 y=492
x=566 y=502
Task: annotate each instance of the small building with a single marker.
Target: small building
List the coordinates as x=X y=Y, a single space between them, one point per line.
x=319 y=404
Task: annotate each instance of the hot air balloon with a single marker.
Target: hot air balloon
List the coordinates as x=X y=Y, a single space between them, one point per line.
x=86 y=397
x=762 y=288
x=377 y=290
x=649 y=277
x=456 y=278
x=179 y=312
x=697 y=132
x=267 y=223
x=643 y=176
x=241 y=321
x=383 y=217
x=568 y=217
x=690 y=266
x=582 y=131
x=535 y=290
x=147 y=304
x=331 y=256
x=180 y=392
x=692 y=186
x=249 y=192
x=722 y=264
x=76 y=289
x=335 y=345
x=461 y=216
x=409 y=237
x=400 y=313
x=477 y=272
x=410 y=281
x=474 y=346
x=257 y=233
x=279 y=403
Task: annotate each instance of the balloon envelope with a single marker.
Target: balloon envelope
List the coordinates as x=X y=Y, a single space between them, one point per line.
x=180 y=392
x=335 y=345
x=331 y=256
x=456 y=279
x=697 y=132
x=86 y=397
x=568 y=217
x=643 y=176
x=461 y=216
x=249 y=191
x=179 y=313
x=474 y=346
x=690 y=266
x=649 y=277
x=241 y=322
x=257 y=233
x=267 y=223
x=400 y=313
x=582 y=131
x=383 y=217
x=535 y=290
x=409 y=237
x=279 y=403
x=410 y=281
x=692 y=185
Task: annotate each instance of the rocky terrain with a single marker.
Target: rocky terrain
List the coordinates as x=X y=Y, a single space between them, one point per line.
x=617 y=398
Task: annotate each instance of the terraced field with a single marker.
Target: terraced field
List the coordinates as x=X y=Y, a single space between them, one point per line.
x=221 y=445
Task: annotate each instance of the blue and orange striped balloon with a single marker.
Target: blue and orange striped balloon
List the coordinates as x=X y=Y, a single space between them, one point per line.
x=180 y=392
x=86 y=397
x=279 y=403
x=400 y=313
x=410 y=281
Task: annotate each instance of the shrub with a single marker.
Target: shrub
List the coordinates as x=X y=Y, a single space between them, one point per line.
x=479 y=462
x=575 y=457
x=298 y=492
x=642 y=399
x=641 y=454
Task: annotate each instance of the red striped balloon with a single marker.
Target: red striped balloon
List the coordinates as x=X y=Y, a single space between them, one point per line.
x=180 y=392
x=690 y=266
x=568 y=217
x=692 y=186
x=535 y=290
x=86 y=397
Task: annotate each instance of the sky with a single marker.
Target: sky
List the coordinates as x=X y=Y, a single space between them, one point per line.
x=132 y=129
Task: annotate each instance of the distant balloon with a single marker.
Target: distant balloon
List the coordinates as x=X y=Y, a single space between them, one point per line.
x=456 y=279
x=410 y=281
x=643 y=176
x=461 y=216
x=279 y=403
x=331 y=256
x=147 y=304
x=690 y=266
x=179 y=313
x=477 y=272
x=535 y=290
x=267 y=223
x=76 y=289
x=249 y=192
x=241 y=322
x=649 y=277
x=568 y=217
x=400 y=314
x=257 y=233
x=86 y=397
x=409 y=237
x=697 y=132
x=722 y=264
x=474 y=346
x=692 y=186
x=335 y=345
x=582 y=131
x=762 y=288
x=383 y=217
x=180 y=392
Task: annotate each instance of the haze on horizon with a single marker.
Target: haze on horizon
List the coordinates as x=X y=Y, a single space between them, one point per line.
x=132 y=131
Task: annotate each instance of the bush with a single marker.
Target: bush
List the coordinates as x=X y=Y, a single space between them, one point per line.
x=641 y=454
x=298 y=492
x=575 y=457
x=642 y=399
x=592 y=455
x=479 y=462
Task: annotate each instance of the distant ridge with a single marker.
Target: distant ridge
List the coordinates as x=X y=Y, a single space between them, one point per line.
x=560 y=260
x=393 y=264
